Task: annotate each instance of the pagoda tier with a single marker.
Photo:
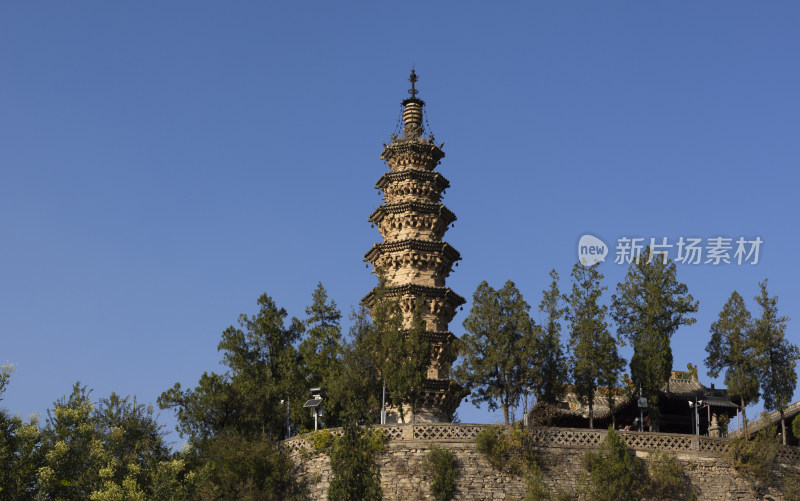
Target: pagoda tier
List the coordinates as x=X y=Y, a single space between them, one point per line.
x=439 y=308
x=412 y=185
x=420 y=220
x=413 y=259
x=420 y=262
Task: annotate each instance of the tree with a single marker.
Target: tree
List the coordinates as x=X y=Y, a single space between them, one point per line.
x=550 y=371
x=358 y=387
x=399 y=351
x=20 y=451
x=355 y=476
x=233 y=419
x=71 y=468
x=731 y=349
x=595 y=360
x=321 y=351
x=263 y=370
x=494 y=356
x=776 y=356
x=648 y=308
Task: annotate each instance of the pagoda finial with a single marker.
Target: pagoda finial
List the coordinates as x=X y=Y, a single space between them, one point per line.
x=413 y=80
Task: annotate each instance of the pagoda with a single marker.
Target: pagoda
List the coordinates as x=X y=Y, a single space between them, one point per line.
x=413 y=258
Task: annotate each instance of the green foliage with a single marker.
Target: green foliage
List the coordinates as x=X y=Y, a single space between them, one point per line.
x=731 y=348
x=549 y=372
x=441 y=463
x=648 y=308
x=398 y=352
x=263 y=370
x=665 y=477
x=359 y=384
x=753 y=459
x=776 y=356
x=320 y=440
x=247 y=469
x=495 y=350
x=511 y=449
x=321 y=353
x=20 y=451
x=355 y=474
x=791 y=484
x=796 y=426
x=537 y=489
x=595 y=360
x=614 y=474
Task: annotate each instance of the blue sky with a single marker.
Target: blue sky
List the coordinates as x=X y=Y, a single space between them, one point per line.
x=163 y=164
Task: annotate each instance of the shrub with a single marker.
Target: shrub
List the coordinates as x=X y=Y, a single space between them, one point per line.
x=614 y=474
x=753 y=459
x=666 y=479
x=355 y=476
x=513 y=450
x=441 y=463
x=320 y=440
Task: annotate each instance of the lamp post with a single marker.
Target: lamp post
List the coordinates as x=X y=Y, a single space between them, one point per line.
x=315 y=404
x=288 y=427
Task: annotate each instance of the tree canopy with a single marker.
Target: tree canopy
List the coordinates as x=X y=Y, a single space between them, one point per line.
x=494 y=350
x=649 y=307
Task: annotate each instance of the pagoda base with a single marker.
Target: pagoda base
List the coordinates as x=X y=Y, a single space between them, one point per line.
x=438 y=403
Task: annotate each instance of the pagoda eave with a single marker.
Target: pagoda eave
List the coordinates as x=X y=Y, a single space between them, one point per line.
x=447 y=250
x=395 y=291
x=440 y=182
x=420 y=207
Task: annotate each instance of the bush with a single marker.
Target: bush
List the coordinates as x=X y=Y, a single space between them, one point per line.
x=614 y=474
x=321 y=440
x=513 y=450
x=441 y=463
x=666 y=479
x=753 y=459
x=355 y=476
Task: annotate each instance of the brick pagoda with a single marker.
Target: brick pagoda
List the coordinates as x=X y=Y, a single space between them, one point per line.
x=413 y=257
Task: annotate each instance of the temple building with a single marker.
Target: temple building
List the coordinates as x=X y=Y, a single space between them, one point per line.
x=413 y=258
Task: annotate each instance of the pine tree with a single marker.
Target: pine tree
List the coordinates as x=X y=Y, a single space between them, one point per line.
x=321 y=351
x=648 y=308
x=595 y=360
x=550 y=371
x=494 y=349
x=776 y=356
x=731 y=349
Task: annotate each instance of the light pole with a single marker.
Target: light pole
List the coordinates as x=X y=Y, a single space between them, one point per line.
x=288 y=427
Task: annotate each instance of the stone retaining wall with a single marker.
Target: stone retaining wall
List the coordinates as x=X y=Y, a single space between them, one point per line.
x=404 y=477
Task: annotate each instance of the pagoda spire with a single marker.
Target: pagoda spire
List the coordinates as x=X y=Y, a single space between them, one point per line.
x=413 y=257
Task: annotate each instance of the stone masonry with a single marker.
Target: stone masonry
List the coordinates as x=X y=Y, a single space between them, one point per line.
x=404 y=477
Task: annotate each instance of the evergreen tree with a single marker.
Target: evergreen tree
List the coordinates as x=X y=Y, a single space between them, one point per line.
x=354 y=474
x=550 y=370
x=71 y=469
x=494 y=363
x=648 y=308
x=731 y=349
x=359 y=385
x=776 y=356
x=263 y=370
x=399 y=352
x=595 y=361
x=233 y=419
x=321 y=351
x=20 y=451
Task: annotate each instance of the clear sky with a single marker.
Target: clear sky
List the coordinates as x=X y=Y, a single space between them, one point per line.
x=164 y=163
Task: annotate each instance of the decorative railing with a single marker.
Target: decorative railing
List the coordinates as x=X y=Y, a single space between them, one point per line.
x=551 y=437
x=768 y=420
